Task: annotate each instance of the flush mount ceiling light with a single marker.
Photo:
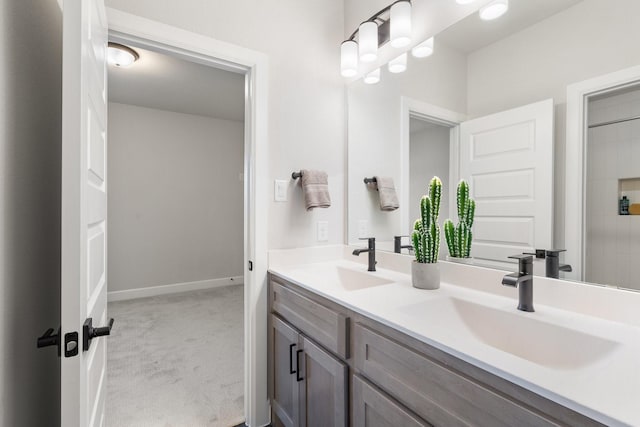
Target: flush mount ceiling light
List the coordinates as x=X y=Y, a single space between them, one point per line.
x=400 y=21
x=121 y=55
x=494 y=10
x=399 y=64
x=373 y=77
x=424 y=49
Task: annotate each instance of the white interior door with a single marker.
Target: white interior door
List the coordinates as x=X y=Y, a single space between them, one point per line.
x=84 y=211
x=507 y=158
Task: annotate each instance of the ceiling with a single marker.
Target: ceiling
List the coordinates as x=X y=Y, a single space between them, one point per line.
x=169 y=83
x=472 y=33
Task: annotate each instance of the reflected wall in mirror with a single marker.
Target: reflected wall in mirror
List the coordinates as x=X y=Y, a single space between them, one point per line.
x=478 y=71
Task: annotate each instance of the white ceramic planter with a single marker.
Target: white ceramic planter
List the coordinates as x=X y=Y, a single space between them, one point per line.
x=425 y=275
x=460 y=260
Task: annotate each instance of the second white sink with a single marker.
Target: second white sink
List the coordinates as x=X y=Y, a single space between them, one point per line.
x=522 y=335
x=344 y=278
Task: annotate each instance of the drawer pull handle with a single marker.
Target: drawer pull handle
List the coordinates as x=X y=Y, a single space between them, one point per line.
x=298 y=377
x=291 y=370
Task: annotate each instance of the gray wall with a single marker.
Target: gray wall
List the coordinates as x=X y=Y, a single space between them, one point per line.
x=429 y=156
x=306 y=117
x=30 y=148
x=175 y=197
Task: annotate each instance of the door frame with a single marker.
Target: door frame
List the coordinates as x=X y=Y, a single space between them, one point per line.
x=578 y=96
x=409 y=108
x=254 y=65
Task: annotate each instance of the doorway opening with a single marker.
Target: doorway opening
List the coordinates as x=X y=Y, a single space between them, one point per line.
x=176 y=241
x=612 y=187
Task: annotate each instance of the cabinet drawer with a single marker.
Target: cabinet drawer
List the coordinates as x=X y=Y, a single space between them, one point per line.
x=437 y=394
x=372 y=408
x=325 y=326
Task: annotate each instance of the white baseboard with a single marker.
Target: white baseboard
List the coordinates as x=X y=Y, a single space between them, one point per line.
x=173 y=288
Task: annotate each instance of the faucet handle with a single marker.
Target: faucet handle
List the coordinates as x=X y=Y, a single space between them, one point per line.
x=555 y=252
x=539 y=253
x=527 y=258
x=525 y=263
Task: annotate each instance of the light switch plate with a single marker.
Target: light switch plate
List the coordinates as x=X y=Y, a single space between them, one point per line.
x=280 y=190
x=323 y=231
x=363 y=229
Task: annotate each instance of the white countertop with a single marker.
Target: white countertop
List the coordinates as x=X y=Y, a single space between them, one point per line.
x=601 y=381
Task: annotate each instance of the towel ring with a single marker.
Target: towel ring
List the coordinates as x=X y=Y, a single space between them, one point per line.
x=370 y=180
x=296 y=175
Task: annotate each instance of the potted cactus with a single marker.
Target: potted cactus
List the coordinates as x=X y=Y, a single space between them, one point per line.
x=425 y=271
x=459 y=237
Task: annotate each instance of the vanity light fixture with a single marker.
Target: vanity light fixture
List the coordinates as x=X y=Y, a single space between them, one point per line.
x=400 y=23
x=494 y=10
x=373 y=77
x=121 y=55
x=398 y=64
x=424 y=49
x=368 y=41
x=349 y=58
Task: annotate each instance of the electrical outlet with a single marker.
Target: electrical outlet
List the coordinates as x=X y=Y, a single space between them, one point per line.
x=363 y=229
x=323 y=231
x=280 y=190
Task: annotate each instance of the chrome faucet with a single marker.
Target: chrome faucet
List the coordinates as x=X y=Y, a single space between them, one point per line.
x=398 y=246
x=523 y=280
x=371 y=249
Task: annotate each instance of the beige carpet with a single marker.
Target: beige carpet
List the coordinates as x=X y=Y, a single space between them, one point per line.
x=177 y=360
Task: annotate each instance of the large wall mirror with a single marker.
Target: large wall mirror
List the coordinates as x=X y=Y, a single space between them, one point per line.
x=490 y=106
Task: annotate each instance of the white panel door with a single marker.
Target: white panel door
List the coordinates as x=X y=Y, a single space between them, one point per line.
x=507 y=158
x=84 y=211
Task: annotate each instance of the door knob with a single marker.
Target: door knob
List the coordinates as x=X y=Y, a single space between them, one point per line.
x=89 y=332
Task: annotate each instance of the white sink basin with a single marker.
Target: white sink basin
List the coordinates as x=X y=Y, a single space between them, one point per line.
x=344 y=278
x=521 y=335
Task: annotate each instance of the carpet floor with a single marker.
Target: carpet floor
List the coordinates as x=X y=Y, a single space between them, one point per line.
x=177 y=360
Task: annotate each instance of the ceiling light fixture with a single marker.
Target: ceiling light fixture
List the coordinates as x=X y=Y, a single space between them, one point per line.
x=400 y=23
x=424 y=49
x=121 y=55
x=494 y=10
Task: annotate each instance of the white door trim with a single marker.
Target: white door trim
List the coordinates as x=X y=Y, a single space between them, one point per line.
x=413 y=108
x=578 y=95
x=254 y=65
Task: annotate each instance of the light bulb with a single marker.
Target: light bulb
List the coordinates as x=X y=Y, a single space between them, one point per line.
x=373 y=77
x=424 y=49
x=399 y=64
x=494 y=10
x=400 y=23
x=349 y=58
x=368 y=41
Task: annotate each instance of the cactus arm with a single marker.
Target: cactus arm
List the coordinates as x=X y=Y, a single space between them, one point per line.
x=462 y=199
x=468 y=248
x=471 y=211
x=449 y=235
x=435 y=194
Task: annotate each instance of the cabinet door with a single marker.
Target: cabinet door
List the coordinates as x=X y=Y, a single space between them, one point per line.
x=372 y=408
x=285 y=389
x=323 y=390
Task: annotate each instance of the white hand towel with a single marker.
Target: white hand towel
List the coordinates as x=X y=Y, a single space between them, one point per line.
x=315 y=186
x=387 y=193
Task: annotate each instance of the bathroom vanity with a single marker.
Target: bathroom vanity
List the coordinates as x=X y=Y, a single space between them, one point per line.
x=349 y=347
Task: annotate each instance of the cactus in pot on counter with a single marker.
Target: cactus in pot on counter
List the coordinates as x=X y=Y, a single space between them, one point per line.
x=459 y=237
x=426 y=232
